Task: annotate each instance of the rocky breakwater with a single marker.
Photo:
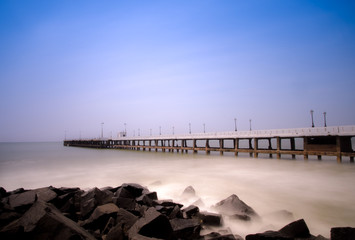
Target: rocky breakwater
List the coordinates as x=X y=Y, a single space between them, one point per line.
x=129 y=211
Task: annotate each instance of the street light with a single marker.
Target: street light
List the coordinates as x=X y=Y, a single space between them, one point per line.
x=190 y=128
x=325 y=119
x=102 y=130
x=249 y=124
x=173 y=130
x=235 y=124
x=125 y=129
x=150 y=130
x=312 y=118
x=159 y=130
x=139 y=132
x=204 y=128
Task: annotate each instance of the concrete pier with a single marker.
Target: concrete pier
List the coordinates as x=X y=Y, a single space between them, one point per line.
x=326 y=141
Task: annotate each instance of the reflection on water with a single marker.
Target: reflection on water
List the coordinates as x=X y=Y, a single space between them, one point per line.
x=320 y=192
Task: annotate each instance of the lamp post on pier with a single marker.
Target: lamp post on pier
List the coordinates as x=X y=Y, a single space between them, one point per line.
x=204 y=128
x=150 y=130
x=159 y=130
x=173 y=130
x=190 y=128
x=325 y=119
x=312 y=118
x=235 y=124
x=125 y=129
x=102 y=130
x=249 y=124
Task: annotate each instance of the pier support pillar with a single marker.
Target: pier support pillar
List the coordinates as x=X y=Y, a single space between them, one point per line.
x=250 y=147
x=293 y=148
x=278 y=141
x=338 y=148
x=256 y=141
x=194 y=146
x=270 y=147
x=221 y=146
x=207 y=147
x=236 y=145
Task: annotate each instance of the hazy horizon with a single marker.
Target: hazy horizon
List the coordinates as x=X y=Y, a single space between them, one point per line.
x=66 y=67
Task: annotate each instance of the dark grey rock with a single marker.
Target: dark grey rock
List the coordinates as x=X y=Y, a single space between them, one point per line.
x=123 y=193
x=100 y=216
x=223 y=234
x=44 y=221
x=342 y=233
x=212 y=219
x=296 y=229
x=189 y=192
x=22 y=201
x=126 y=203
x=3 y=192
x=116 y=233
x=174 y=213
x=135 y=189
x=186 y=228
x=126 y=220
x=153 y=225
x=190 y=211
x=234 y=206
x=93 y=198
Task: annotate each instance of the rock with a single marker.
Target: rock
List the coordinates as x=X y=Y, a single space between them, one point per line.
x=109 y=225
x=123 y=193
x=189 y=192
x=126 y=220
x=297 y=229
x=153 y=225
x=167 y=203
x=174 y=213
x=116 y=233
x=91 y=199
x=212 y=219
x=22 y=201
x=234 y=206
x=44 y=221
x=126 y=203
x=186 y=228
x=191 y=211
x=147 y=198
x=8 y=217
x=45 y=194
x=135 y=189
x=222 y=235
x=100 y=216
x=3 y=192
x=342 y=233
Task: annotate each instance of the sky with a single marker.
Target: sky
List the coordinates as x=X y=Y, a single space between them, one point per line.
x=66 y=67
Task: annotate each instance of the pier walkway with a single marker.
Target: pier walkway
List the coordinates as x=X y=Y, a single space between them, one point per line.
x=320 y=141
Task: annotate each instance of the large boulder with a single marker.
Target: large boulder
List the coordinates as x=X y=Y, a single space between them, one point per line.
x=233 y=206
x=211 y=219
x=190 y=211
x=93 y=198
x=44 y=221
x=186 y=228
x=188 y=192
x=342 y=233
x=99 y=218
x=152 y=225
x=22 y=201
x=295 y=230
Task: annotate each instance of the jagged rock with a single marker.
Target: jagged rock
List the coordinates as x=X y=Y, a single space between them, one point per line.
x=44 y=221
x=116 y=233
x=186 y=228
x=8 y=217
x=189 y=192
x=109 y=225
x=91 y=199
x=126 y=220
x=167 y=203
x=135 y=189
x=212 y=219
x=123 y=193
x=45 y=194
x=147 y=198
x=22 y=201
x=3 y=192
x=175 y=213
x=296 y=229
x=126 y=203
x=100 y=216
x=191 y=211
x=342 y=233
x=153 y=225
x=222 y=235
x=234 y=206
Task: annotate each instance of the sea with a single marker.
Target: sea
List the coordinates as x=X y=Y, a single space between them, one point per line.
x=320 y=192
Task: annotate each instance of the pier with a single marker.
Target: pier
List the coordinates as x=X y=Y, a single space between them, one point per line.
x=321 y=141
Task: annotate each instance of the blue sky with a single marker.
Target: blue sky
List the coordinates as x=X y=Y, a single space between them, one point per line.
x=68 y=66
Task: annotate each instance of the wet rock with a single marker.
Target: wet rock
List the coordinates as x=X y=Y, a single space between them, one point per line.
x=189 y=192
x=123 y=193
x=100 y=216
x=7 y=217
x=147 y=198
x=91 y=199
x=212 y=219
x=135 y=189
x=116 y=233
x=342 y=233
x=3 y=192
x=190 y=211
x=46 y=194
x=175 y=213
x=44 y=221
x=109 y=225
x=222 y=235
x=186 y=228
x=153 y=225
x=22 y=201
x=167 y=203
x=233 y=206
x=126 y=203
x=297 y=229
x=126 y=220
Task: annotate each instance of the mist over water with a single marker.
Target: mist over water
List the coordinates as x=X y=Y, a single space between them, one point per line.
x=321 y=192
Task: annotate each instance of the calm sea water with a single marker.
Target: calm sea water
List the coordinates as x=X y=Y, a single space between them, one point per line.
x=321 y=192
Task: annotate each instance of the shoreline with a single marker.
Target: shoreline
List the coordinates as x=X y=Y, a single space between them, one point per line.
x=131 y=211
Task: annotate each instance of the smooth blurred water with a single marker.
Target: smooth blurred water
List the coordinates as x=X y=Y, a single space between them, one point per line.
x=321 y=192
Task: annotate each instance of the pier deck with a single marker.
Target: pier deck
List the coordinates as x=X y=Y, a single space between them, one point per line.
x=322 y=141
